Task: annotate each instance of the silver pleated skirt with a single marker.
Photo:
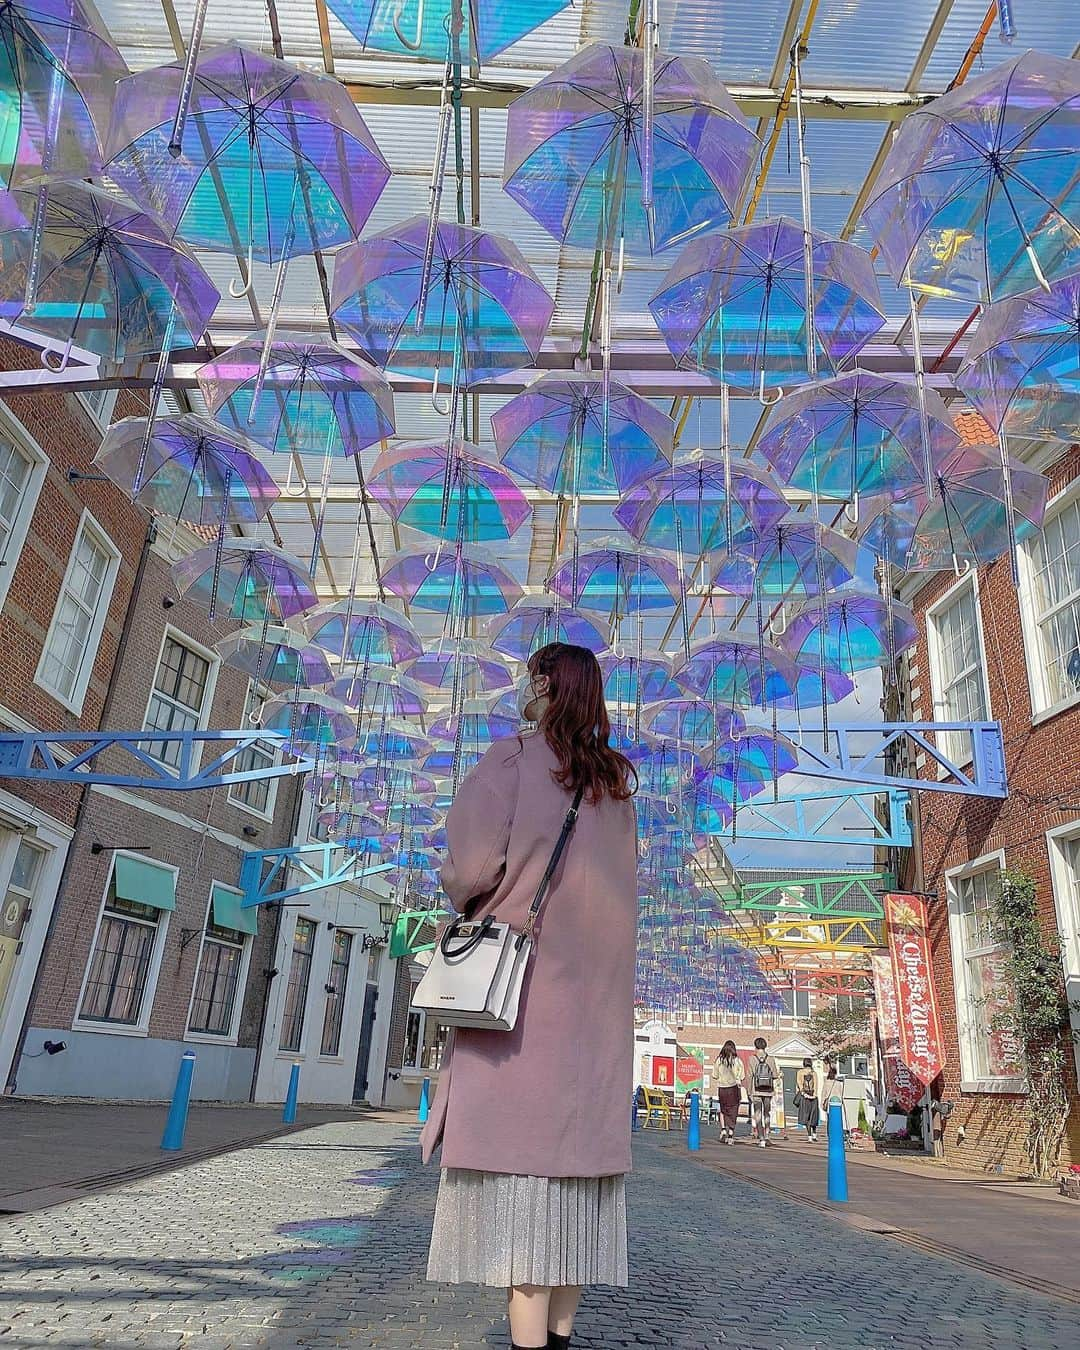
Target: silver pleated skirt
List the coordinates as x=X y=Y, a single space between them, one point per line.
x=495 y=1229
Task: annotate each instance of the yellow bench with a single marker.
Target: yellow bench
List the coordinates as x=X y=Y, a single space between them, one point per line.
x=657 y=1109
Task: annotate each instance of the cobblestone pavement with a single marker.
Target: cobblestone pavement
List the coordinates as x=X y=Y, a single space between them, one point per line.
x=319 y=1239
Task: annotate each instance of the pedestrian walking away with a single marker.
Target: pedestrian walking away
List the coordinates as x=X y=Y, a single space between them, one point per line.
x=532 y=1122
x=809 y=1090
x=764 y=1078
x=729 y=1073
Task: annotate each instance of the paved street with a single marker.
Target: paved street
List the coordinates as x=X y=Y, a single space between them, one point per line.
x=319 y=1239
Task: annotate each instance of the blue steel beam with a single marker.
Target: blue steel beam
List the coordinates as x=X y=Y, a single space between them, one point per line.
x=860 y=747
x=320 y=865
x=811 y=818
x=71 y=757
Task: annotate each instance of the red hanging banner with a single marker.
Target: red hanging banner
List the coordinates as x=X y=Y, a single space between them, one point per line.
x=922 y=1048
x=901 y=1085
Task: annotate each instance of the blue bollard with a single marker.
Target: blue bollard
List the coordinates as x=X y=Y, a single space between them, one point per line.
x=288 y=1116
x=634 y=1122
x=173 y=1138
x=837 y=1156
x=425 y=1088
x=693 y=1130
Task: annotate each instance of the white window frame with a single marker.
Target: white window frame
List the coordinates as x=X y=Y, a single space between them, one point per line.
x=233 y=1034
x=101 y=417
x=74 y=702
x=12 y=429
x=1067 y=910
x=1043 y=706
x=142 y=1027
x=933 y=647
x=966 y=1031
x=271 y=796
x=178 y=635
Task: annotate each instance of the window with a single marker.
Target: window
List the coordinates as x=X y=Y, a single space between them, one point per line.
x=217 y=982
x=292 y=1023
x=99 y=403
x=425 y=1040
x=1053 y=565
x=176 y=703
x=21 y=476
x=72 y=641
x=979 y=967
x=335 y=993
x=796 y=1002
x=257 y=794
x=957 y=668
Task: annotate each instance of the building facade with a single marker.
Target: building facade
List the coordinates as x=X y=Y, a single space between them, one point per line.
x=990 y=650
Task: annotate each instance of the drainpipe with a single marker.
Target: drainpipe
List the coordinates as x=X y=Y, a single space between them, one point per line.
x=121 y=651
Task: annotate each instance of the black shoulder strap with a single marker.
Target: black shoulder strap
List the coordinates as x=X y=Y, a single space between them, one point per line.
x=549 y=871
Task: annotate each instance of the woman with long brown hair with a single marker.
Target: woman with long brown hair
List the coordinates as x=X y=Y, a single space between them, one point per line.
x=535 y=1122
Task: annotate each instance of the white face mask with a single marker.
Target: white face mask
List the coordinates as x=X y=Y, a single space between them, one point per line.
x=525 y=695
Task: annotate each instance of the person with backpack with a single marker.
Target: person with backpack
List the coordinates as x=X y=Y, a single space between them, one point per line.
x=763 y=1079
x=809 y=1090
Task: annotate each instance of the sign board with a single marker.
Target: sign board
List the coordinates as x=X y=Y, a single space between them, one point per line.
x=901 y=1085
x=922 y=1046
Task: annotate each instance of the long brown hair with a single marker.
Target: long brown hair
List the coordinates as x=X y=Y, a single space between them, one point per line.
x=728 y=1053
x=576 y=726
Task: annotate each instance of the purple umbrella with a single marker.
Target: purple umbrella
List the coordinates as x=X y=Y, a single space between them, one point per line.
x=381 y=690
x=537 y=620
x=617 y=576
x=275 y=655
x=741 y=671
x=796 y=555
x=462 y=583
x=857 y=630
x=462 y=661
x=256 y=581
x=363 y=632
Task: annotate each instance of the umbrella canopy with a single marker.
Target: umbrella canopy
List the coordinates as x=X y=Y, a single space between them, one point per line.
x=694 y=721
x=575 y=144
x=250 y=580
x=464 y=663
x=363 y=631
x=637 y=679
x=475 y=727
x=273 y=154
x=734 y=305
x=976 y=198
x=293 y=392
x=559 y=435
x=857 y=630
x=466 y=582
x=413 y=28
x=275 y=655
x=190 y=468
x=484 y=305
x=381 y=690
x=743 y=670
x=455 y=492
x=856 y=433
x=797 y=555
x=537 y=620
x=310 y=721
x=619 y=577
x=111 y=277
x=1022 y=366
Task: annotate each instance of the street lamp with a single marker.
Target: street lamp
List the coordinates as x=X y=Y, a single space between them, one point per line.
x=387 y=915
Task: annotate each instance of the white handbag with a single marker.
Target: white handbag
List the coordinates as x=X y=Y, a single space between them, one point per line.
x=477 y=970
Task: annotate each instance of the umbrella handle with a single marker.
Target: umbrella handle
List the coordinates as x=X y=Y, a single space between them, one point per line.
x=767 y=402
x=413 y=44
x=57 y=361
x=957 y=569
x=778 y=623
x=851 y=510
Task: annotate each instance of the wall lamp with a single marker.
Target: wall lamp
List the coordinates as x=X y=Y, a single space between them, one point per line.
x=98 y=847
x=387 y=914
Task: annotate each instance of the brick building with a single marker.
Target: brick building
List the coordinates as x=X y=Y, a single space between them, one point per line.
x=988 y=652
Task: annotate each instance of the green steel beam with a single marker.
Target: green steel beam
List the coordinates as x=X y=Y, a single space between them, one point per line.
x=853 y=896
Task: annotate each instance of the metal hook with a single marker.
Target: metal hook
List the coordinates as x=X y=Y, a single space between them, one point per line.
x=248 y=287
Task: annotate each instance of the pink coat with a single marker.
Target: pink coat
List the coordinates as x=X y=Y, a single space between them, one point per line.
x=552 y=1097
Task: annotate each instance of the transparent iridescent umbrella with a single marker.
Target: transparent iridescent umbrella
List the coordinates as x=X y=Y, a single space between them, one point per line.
x=381 y=690
x=665 y=767
x=189 y=468
x=978 y=197
x=744 y=763
x=111 y=277
x=856 y=433
x=619 y=577
x=363 y=632
x=311 y=721
x=740 y=671
x=476 y=726
x=795 y=556
x=412 y=28
x=537 y=620
x=451 y=492
x=394 y=741
x=275 y=655
x=464 y=583
x=858 y=630
x=268 y=154
x=293 y=392
x=695 y=722
x=464 y=662
x=253 y=581
x=1022 y=365
x=630 y=679
x=734 y=305
x=558 y=435
x=577 y=150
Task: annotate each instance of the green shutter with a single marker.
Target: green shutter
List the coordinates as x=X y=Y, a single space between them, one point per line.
x=229 y=913
x=145 y=882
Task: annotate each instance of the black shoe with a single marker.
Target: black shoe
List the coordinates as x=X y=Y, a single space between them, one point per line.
x=557 y=1342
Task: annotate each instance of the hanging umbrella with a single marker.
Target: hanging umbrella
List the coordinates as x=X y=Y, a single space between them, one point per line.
x=856 y=433
x=396 y=782
x=110 y=276
x=797 y=555
x=978 y=197
x=275 y=655
x=485 y=505
x=476 y=727
x=576 y=150
x=310 y=721
x=744 y=763
x=275 y=160
x=687 y=507
x=364 y=632
x=537 y=620
x=858 y=630
x=665 y=767
x=462 y=662
x=413 y=28
x=1022 y=366
x=692 y=720
x=293 y=392
x=254 y=581
x=189 y=468
x=734 y=305
x=58 y=68
x=630 y=680
x=465 y=583
x=392 y=742
x=557 y=435
x=617 y=576
x=381 y=690
x=737 y=671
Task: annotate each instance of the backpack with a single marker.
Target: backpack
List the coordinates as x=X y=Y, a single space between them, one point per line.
x=762 y=1077
x=806 y=1083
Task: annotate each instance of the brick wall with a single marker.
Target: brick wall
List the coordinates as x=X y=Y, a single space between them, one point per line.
x=1043 y=762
